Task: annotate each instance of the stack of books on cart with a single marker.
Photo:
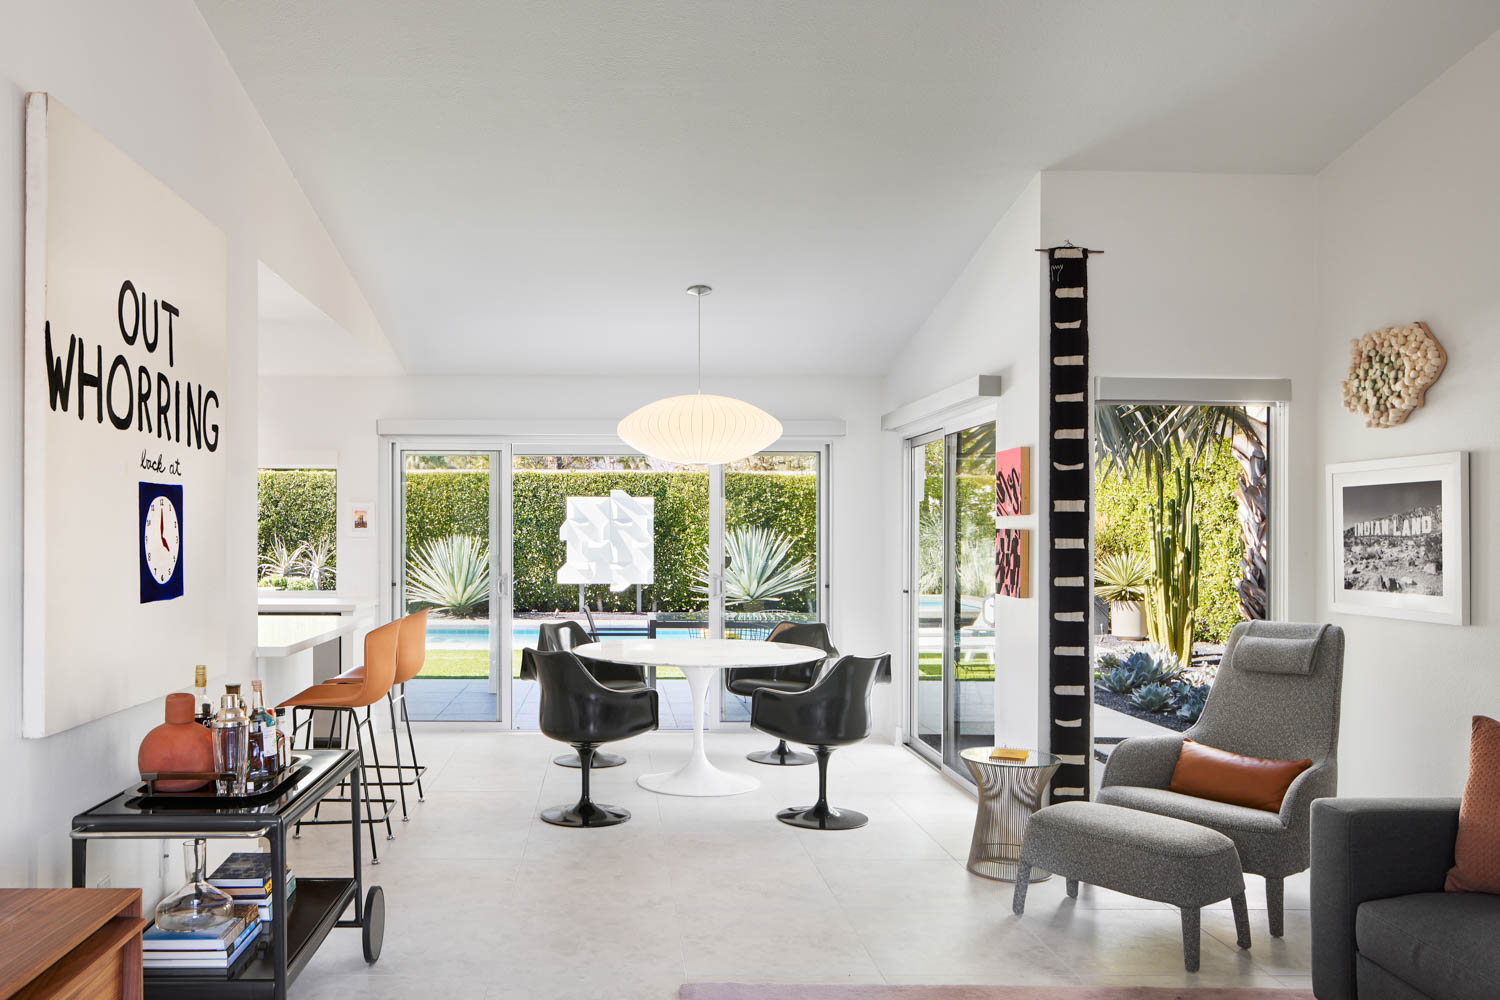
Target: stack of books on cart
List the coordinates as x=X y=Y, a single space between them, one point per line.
x=247 y=877
x=202 y=953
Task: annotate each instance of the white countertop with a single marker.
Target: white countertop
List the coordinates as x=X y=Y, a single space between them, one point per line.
x=312 y=602
x=285 y=634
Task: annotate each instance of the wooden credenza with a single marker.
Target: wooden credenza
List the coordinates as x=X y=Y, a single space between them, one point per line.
x=70 y=944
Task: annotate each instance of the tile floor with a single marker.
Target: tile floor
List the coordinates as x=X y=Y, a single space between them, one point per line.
x=487 y=902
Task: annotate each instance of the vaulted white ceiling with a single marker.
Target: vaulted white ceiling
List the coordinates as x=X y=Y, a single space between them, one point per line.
x=529 y=186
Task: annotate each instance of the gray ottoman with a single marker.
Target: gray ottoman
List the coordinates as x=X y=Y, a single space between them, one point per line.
x=1140 y=854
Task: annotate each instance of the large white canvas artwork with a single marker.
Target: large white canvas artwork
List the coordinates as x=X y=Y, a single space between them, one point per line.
x=609 y=540
x=125 y=416
x=1399 y=528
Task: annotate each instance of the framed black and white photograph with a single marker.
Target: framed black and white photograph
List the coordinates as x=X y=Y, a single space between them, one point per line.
x=1400 y=537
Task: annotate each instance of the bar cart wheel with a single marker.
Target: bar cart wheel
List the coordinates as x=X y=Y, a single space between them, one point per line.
x=374 y=923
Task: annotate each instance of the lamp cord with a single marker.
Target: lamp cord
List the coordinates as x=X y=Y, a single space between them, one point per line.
x=699 y=297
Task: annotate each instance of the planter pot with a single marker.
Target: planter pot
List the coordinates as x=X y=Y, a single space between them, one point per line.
x=1126 y=620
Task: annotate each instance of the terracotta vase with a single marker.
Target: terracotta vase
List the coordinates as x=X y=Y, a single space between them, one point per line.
x=179 y=744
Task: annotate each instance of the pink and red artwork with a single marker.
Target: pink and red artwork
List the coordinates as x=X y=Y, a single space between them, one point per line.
x=1013 y=562
x=1013 y=482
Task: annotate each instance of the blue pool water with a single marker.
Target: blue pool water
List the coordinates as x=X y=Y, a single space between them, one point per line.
x=441 y=635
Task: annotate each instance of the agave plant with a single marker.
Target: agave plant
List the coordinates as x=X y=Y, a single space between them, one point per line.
x=1153 y=664
x=1118 y=679
x=282 y=560
x=1121 y=577
x=1153 y=698
x=760 y=569
x=317 y=561
x=1190 y=700
x=450 y=574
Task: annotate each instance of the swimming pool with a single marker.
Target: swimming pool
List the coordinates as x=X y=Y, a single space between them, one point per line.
x=455 y=635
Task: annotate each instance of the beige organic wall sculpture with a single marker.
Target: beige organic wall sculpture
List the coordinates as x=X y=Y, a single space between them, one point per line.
x=1390 y=371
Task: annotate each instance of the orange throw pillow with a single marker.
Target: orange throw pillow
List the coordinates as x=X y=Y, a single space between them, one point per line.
x=1256 y=782
x=1477 y=851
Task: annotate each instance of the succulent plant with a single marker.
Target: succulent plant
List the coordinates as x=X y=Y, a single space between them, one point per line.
x=1119 y=680
x=1153 y=697
x=1190 y=700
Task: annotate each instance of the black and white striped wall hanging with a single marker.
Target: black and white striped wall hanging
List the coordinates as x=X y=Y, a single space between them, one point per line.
x=1069 y=562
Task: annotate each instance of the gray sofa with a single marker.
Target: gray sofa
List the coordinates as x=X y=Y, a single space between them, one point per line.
x=1382 y=927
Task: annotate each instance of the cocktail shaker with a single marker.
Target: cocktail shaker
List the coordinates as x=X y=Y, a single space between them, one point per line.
x=231 y=730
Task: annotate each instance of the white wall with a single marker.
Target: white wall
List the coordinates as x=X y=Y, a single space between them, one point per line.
x=336 y=417
x=151 y=78
x=1204 y=276
x=988 y=323
x=1410 y=217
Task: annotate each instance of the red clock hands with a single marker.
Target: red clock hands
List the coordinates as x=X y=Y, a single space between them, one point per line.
x=163 y=523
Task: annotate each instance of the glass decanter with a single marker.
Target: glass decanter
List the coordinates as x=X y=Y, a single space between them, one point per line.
x=197 y=906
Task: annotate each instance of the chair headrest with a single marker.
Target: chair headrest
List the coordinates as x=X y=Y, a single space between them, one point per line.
x=1278 y=647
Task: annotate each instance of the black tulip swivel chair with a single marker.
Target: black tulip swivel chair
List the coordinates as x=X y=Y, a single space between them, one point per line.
x=578 y=709
x=553 y=636
x=745 y=681
x=834 y=712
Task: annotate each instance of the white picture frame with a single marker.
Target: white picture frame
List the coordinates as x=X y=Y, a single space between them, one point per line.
x=1399 y=538
x=361 y=519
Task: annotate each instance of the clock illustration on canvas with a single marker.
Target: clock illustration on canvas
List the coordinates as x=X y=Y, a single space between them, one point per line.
x=161 y=541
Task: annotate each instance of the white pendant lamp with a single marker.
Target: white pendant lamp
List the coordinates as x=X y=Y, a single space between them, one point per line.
x=699 y=429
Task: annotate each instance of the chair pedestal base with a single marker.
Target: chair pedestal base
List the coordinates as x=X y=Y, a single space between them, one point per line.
x=820 y=815
x=601 y=759
x=823 y=817
x=781 y=756
x=585 y=814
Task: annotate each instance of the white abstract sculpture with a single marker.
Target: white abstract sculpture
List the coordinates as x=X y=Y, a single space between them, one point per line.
x=610 y=540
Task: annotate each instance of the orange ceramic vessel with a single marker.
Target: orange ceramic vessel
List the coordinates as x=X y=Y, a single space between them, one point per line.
x=179 y=744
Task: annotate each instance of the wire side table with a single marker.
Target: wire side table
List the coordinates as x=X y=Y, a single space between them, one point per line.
x=1009 y=792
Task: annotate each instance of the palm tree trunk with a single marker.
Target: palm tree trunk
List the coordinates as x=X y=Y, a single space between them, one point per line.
x=1255 y=517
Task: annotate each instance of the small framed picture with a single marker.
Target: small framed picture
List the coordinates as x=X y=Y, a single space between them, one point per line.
x=1013 y=562
x=1013 y=482
x=1400 y=537
x=361 y=519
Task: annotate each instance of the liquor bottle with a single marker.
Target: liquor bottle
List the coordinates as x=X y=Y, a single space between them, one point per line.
x=203 y=709
x=283 y=741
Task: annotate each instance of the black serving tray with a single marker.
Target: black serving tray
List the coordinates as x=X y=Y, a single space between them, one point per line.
x=208 y=797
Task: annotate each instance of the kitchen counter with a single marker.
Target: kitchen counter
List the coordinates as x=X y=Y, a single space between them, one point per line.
x=279 y=634
x=313 y=602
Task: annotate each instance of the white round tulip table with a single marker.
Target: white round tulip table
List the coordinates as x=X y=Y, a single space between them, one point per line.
x=700 y=661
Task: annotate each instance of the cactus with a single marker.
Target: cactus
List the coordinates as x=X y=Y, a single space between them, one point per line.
x=1172 y=597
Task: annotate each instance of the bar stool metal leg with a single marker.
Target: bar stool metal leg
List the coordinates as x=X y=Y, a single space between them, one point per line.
x=396 y=740
x=417 y=767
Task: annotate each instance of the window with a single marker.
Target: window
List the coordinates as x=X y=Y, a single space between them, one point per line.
x=298 y=533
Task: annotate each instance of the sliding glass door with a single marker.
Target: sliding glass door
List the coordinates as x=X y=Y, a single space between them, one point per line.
x=482 y=536
x=447 y=560
x=951 y=602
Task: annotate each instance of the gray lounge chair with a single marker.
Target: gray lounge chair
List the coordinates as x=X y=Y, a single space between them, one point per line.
x=1277 y=695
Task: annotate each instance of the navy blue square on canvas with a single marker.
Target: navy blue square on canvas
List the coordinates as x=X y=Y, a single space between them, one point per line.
x=160 y=527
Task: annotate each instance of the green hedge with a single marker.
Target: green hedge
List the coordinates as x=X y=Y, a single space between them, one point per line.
x=296 y=506
x=456 y=501
x=1122 y=522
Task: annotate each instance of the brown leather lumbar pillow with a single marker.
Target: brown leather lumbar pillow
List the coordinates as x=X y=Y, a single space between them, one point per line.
x=1477 y=851
x=1256 y=782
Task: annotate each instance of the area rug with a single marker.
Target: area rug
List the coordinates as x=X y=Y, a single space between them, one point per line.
x=743 y=991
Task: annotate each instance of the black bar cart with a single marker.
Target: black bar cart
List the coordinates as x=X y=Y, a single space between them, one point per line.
x=297 y=931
